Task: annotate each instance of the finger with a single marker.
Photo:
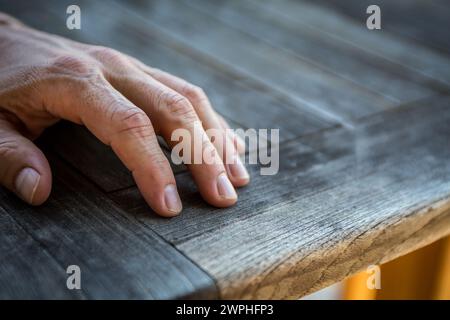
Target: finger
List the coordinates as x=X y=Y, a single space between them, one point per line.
x=23 y=167
x=127 y=129
x=199 y=100
x=238 y=142
x=224 y=144
x=170 y=111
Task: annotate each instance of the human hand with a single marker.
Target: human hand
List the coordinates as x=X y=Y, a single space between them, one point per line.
x=124 y=103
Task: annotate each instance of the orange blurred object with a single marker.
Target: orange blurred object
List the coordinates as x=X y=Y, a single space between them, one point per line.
x=422 y=274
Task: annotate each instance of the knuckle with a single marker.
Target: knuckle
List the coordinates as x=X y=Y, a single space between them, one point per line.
x=133 y=122
x=108 y=55
x=194 y=93
x=198 y=98
x=73 y=65
x=179 y=107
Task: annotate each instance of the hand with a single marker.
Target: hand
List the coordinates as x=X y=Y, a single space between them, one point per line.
x=124 y=103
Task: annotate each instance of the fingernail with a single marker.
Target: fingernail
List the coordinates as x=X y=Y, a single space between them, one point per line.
x=172 y=199
x=26 y=183
x=225 y=188
x=238 y=170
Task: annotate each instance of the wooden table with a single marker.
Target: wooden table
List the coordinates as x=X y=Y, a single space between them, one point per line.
x=364 y=119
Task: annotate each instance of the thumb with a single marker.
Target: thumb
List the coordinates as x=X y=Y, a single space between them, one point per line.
x=23 y=167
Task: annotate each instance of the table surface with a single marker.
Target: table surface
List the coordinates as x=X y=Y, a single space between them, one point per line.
x=364 y=119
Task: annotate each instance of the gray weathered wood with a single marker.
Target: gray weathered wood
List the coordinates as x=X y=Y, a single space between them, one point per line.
x=341 y=201
x=415 y=20
x=118 y=256
x=318 y=48
x=27 y=269
x=410 y=57
x=278 y=70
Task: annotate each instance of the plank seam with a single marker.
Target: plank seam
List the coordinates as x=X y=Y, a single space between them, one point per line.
x=437 y=81
x=173 y=41
x=124 y=215
x=305 y=60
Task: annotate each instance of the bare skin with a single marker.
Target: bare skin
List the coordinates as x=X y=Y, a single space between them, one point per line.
x=124 y=103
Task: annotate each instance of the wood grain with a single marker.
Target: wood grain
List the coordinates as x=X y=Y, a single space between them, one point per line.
x=317 y=48
x=408 y=56
x=28 y=271
x=278 y=70
x=118 y=257
x=342 y=200
x=415 y=20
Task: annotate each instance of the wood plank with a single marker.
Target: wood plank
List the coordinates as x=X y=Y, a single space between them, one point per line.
x=27 y=270
x=318 y=48
x=410 y=57
x=414 y=20
x=118 y=256
x=276 y=69
x=343 y=200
